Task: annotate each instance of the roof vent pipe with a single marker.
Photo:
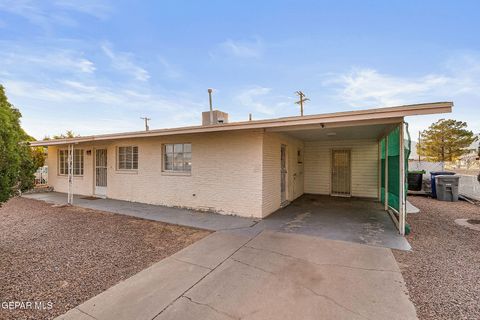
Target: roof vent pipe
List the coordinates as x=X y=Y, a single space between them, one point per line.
x=211 y=107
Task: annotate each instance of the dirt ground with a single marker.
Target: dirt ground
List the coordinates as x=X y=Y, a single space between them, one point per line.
x=442 y=271
x=61 y=257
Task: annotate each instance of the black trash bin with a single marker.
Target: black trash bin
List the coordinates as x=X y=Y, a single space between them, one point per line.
x=438 y=173
x=415 y=179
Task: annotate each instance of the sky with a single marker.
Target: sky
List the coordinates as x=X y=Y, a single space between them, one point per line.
x=98 y=66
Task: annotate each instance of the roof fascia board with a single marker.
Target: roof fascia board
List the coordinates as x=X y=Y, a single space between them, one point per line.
x=382 y=113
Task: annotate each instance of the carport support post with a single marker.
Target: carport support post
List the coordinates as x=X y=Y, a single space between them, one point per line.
x=70 y=174
x=386 y=173
x=402 y=204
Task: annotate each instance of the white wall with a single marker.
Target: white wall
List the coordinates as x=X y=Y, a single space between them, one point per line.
x=364 y=162
x=271 y=170
x=226 y=173
x=82 y=184
x=415 y=165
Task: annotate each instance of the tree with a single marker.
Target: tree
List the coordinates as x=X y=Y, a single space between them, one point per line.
x=17 y=165
x=67 y=134
x=445 y=140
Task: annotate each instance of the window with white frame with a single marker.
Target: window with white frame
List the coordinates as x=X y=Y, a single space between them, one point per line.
x=127 y=158
x=177 y=157
x=77 y=162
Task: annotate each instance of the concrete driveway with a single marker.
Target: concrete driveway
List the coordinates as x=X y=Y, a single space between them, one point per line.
x=265 y=275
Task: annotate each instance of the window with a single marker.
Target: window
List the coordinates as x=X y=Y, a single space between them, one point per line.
x=177 y=157
x=127 y=158
x=77 y=162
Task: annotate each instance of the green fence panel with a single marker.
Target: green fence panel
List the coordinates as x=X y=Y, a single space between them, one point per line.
x=394 y=169
x=382 y=170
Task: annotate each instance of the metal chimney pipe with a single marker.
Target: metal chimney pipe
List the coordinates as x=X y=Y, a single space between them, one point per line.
x=211 y=107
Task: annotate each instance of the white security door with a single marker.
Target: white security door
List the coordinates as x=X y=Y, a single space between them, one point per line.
x=341 y=173
x=101 y=172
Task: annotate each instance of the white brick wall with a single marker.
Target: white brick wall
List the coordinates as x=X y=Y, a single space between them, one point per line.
x=364 y=161
x=232 y=172
x=226 y=173
x=271 y=170
x=82 y=184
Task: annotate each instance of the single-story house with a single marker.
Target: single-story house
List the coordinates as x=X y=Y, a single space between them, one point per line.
x=249 y=168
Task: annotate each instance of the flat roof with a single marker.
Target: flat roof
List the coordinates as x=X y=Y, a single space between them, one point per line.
x=297 y=121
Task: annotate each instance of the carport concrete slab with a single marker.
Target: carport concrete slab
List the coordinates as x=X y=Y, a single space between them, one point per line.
x=184 y=217
x=327 y=283
x=212 y=250
x=322 y=251
x=349 y=219
x=145 y=294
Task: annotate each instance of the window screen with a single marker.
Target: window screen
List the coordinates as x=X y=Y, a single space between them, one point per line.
x=77 y=162
x=127 y=158
x=177 y=157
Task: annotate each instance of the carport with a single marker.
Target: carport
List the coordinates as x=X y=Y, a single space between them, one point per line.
x=359 y=220
x=357 y=170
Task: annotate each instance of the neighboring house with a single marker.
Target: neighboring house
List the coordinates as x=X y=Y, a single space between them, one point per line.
x=41 y=176
x=249 y=168
x=470 y=160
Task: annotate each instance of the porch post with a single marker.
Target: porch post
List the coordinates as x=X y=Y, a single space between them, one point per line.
x=386 y=172
x=379 y=173
x=402 y=204
x=70 y=174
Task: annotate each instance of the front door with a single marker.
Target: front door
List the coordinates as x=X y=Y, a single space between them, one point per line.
x=101 y=172
x=283 y=174
x=341 y=173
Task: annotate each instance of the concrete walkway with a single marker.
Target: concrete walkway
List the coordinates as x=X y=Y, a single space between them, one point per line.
x=350 y=219
x=265 y=275
x=184 y=217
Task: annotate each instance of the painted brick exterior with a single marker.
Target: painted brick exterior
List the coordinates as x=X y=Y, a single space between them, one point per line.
x=364 y=161
x=226 y=173
x=271 y=170
x=235 y=172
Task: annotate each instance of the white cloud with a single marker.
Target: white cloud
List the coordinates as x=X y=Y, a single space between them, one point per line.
x=96 y=8
x=37 y=58
x=251 y=98
x=88 y=108
x=457 y=81
x=241 y=48
x=368 y=87
x=123 y=61
x=46 y=15
x=262 y=101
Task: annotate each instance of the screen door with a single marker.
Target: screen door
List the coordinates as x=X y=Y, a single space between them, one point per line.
x=341 y=173
x=101 y=172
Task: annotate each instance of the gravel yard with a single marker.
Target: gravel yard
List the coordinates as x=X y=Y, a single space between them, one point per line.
x=442 y=271
x=65 y=256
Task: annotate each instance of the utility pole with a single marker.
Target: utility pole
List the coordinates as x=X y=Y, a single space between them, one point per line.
x=419 y=146
x=146 y=122
x=302 y=99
